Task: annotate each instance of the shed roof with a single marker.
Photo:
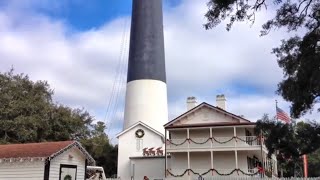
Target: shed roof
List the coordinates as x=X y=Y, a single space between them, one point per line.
x=44 y=149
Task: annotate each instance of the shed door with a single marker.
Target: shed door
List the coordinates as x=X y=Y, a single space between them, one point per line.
x=68 y=172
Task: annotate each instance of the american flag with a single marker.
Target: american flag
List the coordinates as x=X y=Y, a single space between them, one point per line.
x=281 y=115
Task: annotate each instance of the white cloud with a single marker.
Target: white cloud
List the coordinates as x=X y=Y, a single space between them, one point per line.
x=81 y=66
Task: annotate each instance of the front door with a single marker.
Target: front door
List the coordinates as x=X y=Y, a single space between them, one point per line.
x=68 y=172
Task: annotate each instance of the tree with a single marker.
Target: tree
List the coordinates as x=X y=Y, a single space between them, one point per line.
x=298 y=57
x=314 y=164
x=28 y=114
x=101 y=150
x=289 y=141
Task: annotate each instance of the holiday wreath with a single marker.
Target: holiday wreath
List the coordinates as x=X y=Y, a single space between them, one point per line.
x=139 y=133
x=67 y=177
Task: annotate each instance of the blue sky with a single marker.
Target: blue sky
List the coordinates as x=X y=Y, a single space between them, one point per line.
x=82 y=14
x=78 y=45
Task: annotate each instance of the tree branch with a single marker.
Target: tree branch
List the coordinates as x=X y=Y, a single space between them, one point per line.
x=301 y=4
x=305 y=9
x=258 y=5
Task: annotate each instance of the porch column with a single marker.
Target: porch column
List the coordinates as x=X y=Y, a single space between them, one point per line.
x=235 y=135
x=189 y=163
x=211 y=137
x=236 y=157
x=188 y=137
x=211 y=152
x=264 y=163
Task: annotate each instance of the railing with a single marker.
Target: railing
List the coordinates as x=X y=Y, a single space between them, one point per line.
x=238 y=178
x=223 y=178
x=214 y=142
x=207 y=173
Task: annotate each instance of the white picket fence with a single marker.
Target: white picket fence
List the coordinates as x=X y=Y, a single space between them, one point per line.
x=240 y=178
x=222 y=178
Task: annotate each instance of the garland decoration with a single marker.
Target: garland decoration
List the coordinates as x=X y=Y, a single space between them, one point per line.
x=212 y=170
x=223 y=142
x=178 y=144
x=200 y=142
x=250 y=140
x=139 y=133
x=212 y=139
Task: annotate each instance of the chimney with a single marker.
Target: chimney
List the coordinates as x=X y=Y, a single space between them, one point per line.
x=221 y=101
x=191 y=102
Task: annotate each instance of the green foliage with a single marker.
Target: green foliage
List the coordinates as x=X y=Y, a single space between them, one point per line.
x=103 y=152
x=314 y=164
x=301 y=64
x=289 y=141
x=299 y=57
x=28 y=114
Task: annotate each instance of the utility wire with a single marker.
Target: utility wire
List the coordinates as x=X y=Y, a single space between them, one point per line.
x=117 y=72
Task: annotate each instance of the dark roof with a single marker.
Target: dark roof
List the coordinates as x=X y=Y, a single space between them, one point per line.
x=214 y=124
x=147 y=157
x=44 y=149
x=211 y=106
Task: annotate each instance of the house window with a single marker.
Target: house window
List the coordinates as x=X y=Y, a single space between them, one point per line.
x=249 y=137
x=139 y=144
x=251 y=164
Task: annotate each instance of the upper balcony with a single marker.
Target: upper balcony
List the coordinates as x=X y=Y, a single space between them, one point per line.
x=213 y=138
x=215 y=143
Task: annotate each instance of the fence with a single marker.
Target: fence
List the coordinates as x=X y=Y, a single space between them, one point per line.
x=222 y=178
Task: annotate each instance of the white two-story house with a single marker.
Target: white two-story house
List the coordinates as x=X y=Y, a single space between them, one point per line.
x=209 y=141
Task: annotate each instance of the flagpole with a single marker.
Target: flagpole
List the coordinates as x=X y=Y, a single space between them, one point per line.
x=281 y=169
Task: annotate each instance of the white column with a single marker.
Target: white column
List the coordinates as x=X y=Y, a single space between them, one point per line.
x=189 y=163
x=188 y=137
x=211 y=159
x=235 y=135
x=236 y=157
x=211 y=137
x=264 y=162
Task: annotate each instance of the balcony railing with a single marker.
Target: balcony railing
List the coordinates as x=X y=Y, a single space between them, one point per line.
x=214 y=142
x=195 y=173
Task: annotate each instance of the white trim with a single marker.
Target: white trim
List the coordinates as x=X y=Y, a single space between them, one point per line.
x=213 y=127
x=143 y=124
x=21 y=159
x=76 y=144
x=209 y=106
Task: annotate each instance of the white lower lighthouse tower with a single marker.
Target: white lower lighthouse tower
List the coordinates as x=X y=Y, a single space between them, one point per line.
x=146 y=108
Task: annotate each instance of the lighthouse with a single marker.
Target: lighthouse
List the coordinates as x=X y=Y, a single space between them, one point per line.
x=146 y=108
x=146 y=90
